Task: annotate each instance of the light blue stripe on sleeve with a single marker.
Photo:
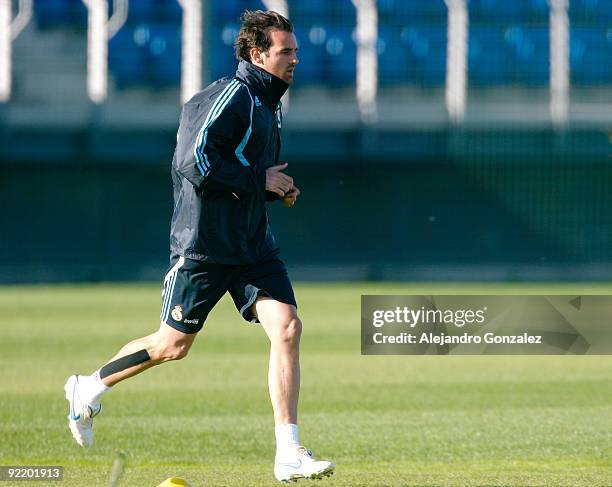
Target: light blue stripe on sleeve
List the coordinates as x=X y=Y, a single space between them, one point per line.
x=219 y=101
x=196 y=151
x=245 y=139
x=215 y=110
x=218 y=111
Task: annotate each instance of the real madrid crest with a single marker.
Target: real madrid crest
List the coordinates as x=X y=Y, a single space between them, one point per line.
x=177 y=313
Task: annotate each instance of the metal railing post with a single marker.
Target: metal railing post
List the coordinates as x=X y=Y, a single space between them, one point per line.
x=456 y=60
x=559 y=63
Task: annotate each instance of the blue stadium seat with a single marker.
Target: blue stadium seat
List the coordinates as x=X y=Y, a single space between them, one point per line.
x=222 y=59
x=308 y=9
x=78 y=14
x=426 y=52
x=434 y=64
x=340 y=56
x=164 y=55
x=533 y=56
x=392 y=57
x=170 y=11
x=540 y=7
x=590 y=56
x=142 y=11
x=165 y=11
x=311 y=54
x=59 y=13
x=310 y=69
x=592 y=9
x=411 y=9
x=127 y=56
x=231 y=10
x=51 y=13
x=489 y=57
x=527 y=54
x=507 y=10
x=322 y=10
x=603 y=9
x=414 y=51
x=342 y=11
x=227 y=9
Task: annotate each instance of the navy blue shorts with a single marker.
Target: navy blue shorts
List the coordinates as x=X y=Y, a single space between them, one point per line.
x=192 y=288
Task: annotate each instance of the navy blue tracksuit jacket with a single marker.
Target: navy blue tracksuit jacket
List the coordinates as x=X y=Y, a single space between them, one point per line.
x=229 y=134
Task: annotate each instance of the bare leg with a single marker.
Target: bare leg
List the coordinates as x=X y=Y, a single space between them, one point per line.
x=84 y=392
x=163 y=345
x=284 y=328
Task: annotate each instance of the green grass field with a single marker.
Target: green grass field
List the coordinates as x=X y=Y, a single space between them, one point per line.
x=384 y=420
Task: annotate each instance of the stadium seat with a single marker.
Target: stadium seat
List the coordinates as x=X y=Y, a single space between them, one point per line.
x=341 y=10
x=533 y=56
x=590 y=56
x=434 y=63
x=340 y=56
x=489 y=57
x=392 y=57
x=59 y=13
x=170 y=11
x=51 y=13
x=231 y=10
x=222 y=58
x=426 y=52
x=603 y=9
x=507 y=11
x=540 y=7
x=321 y=10
x=164 y=55
x=311 y=54
x=308 y=9
x=411 y=10
x=78 y=14
x=142 y=11
x=590 y=9
x=311 y=67
x=227 y=9
x=127 y=56
x=165 y=11
x=412 y=46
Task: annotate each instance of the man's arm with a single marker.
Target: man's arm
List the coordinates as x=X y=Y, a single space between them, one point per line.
x=224 y=173
x=204 y=165
x=207 y=151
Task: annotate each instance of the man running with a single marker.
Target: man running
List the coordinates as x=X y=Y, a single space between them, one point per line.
x=225 y=169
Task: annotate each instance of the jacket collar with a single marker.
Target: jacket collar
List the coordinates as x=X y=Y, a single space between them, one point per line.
x=270 y=87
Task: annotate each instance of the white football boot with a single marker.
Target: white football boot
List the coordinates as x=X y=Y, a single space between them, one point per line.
x=301 y=464
x=80 y=418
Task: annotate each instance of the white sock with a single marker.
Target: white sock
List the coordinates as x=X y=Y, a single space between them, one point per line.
x=286 y=438
x=91 y=387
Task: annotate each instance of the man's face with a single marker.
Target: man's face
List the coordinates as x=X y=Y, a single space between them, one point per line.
x=281 y=58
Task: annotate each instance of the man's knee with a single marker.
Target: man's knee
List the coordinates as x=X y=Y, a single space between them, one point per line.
x=289 y=331
x=175 y=351
x=166 y=348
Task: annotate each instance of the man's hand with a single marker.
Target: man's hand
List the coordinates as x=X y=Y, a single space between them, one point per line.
x=277 y=181
x=290 y=197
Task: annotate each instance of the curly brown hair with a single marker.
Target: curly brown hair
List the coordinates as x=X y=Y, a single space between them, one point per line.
x=255 y=30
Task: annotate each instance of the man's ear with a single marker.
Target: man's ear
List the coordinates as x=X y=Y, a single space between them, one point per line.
x=256 y=55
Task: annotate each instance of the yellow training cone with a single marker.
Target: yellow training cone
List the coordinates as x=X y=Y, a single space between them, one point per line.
x=174 y=482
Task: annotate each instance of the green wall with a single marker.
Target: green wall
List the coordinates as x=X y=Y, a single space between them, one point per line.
x=459 y=218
